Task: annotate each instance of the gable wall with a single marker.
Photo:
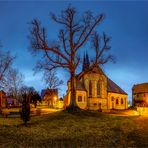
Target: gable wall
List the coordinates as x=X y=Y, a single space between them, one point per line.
x=112 y=104
x=94 y=78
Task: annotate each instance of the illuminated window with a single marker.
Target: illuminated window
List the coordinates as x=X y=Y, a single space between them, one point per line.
x=79 y=98
x=90 y=88
x=98 y=88
x=121 y=100
x=117 y=101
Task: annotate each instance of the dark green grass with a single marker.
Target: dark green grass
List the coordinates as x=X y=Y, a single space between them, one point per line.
x=82 y=129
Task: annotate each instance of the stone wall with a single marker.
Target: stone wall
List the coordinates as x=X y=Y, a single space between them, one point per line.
x=112 y=104
x=142 y=110
x=82 y=104
x=94 y=78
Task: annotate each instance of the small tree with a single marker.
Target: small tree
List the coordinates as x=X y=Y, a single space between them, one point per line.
x=25 y=112
x=14 y=82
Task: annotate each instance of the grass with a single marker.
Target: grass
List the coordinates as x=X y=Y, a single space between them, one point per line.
x=83 y=129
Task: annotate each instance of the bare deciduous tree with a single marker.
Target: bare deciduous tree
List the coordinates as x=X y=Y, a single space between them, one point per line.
x=14 y=82
x=63 y=53
x=101 y=46
x=5 y=64
x=51 y=79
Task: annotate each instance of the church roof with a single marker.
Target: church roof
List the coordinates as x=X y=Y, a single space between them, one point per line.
x=80 y=86
x=113 y=87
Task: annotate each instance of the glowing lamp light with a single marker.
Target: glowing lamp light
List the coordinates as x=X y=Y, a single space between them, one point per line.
x=55 y=98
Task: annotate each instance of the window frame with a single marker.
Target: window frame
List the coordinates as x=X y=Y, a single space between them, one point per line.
x=80 y=98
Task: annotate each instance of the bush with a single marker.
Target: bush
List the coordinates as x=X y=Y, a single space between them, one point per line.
x=25 y=111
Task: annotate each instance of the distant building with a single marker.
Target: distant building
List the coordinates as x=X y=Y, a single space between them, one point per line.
x=11 y=101
x=140 y=95
x=49 y=96
x=2 y=98
x=94 y=90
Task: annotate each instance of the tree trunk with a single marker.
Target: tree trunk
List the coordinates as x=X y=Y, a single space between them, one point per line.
x=73 y=105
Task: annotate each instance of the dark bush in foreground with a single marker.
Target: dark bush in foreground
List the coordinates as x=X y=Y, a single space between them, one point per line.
x=25 y=112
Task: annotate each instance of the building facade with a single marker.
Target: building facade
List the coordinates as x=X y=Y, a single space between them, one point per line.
x=50 y=97
x=140 y=95
x=2 y=99
x=94 y=90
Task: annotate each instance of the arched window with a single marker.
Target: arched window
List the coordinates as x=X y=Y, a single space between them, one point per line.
x=117 y=101
x=112 y=98
x=79 y=98
x=98 y=88
x=121 y=100
x=90 y=88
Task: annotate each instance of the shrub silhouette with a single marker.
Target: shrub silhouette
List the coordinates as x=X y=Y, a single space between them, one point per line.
x=25 y=111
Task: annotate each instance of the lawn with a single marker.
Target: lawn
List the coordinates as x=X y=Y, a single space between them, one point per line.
x=83 y=129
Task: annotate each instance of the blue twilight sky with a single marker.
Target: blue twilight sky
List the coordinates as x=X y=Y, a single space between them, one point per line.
x=126 y=22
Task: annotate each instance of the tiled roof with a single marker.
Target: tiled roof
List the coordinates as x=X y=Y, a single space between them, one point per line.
x=113 y=87
x=140 y=88
x=80 y=86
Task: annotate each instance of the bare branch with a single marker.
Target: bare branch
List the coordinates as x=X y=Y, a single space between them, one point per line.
x=97 y=21
x=99 y=52
x=51 y=79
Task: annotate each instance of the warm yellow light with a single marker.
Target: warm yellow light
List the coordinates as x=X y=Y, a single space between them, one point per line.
x=55 y=98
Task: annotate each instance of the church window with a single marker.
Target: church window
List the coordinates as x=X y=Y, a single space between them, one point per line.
x=117 y=101
x=121 y=100
x=90 y=88
x=98 y=88
x=112 y=99
x=79 y=98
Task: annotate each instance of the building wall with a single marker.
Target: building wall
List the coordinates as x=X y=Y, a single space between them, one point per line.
x=140 y=99
x=94 y=78
x=50 y=100
x=82 y=103
x=114 y=104
x=94 y=102
x=81 y=99
x=142 y=110
x=2 y=99
x=97 y=103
